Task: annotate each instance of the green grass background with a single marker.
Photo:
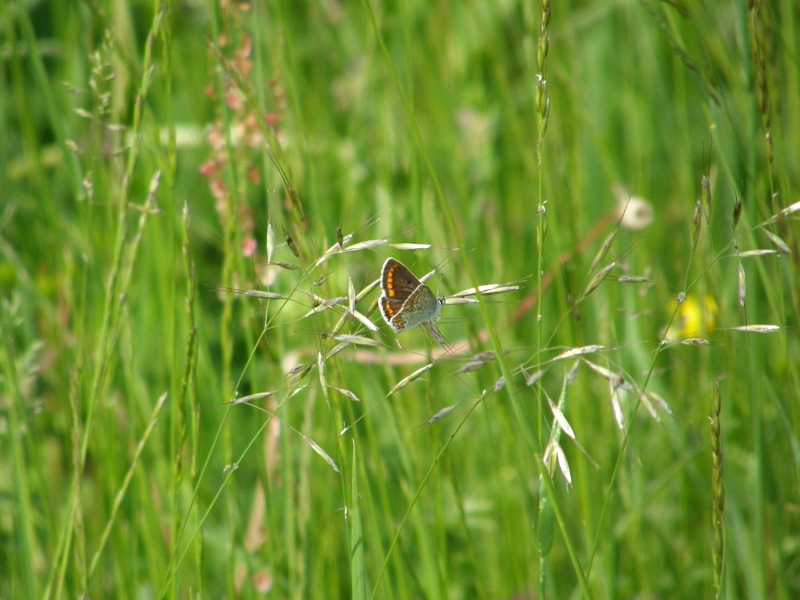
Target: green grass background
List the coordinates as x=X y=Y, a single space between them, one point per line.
x=116 y=289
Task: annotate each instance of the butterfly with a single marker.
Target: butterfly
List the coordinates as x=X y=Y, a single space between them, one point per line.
x=406 y=302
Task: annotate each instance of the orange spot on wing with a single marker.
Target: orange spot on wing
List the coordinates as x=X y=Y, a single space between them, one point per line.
x=387 y=308
x=390 y=283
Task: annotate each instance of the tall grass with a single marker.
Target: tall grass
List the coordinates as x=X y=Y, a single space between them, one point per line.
x=200 y=399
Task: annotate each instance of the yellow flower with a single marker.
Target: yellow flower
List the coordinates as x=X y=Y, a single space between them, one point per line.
x=693 y=319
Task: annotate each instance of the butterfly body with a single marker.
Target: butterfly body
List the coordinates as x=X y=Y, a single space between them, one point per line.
x=405 y=301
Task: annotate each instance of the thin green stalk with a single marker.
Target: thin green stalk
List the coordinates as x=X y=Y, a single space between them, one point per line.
x=358 y=572
x=717 y=491
x=125 y=483
x=389 y=552
x=542 y=97
x=188 y=378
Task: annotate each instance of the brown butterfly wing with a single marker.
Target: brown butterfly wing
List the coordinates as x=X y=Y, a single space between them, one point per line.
x=397 y=282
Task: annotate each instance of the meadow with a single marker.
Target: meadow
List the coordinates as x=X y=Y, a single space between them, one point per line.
x=199 y=397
